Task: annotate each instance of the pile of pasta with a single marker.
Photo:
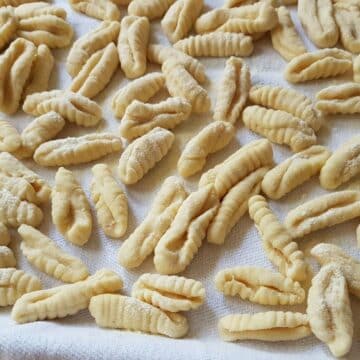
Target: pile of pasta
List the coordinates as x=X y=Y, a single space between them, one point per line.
x=178 y=221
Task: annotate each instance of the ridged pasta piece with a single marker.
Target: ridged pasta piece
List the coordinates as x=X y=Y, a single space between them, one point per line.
x=356 y=69
x=329 y=310
x=14 y=212
x=285 y=38
x=46 y=256
x=7 y=258
x=64 y=300
x=235 y=3
x=8 y=26
x=10 y=139
x=277 y=241
x=77 y=150
x=123 y=312
x=15 y=283
x=33 y=8
x=209 y=140
x=70 y=208
x=289 y=100
x=143 y=154
x=256 y=18
x=4 y=236
x=73 y=107
x=233 y=91
x=142 y=89
x=350 y=267
x=11 y=167
x=14 y=2
x=169 y=293
x=110 y=202
x=180 y=82
x=40 y=130
x=294 y=171
x=89 y=44
x=279 y=127
x=141 y=243
x=132 y=45
x=152 y=9
x=323 y=211
x=97 y=72
x=140 y=117
x=317 y=65
x=259 y=285
x=317 y=18
x=178 y=246
x=98 y=9
x=15 y=64
x=339 y=99
x=216 y=44
x=265 y=326
x=234 y=205
x=180 y=18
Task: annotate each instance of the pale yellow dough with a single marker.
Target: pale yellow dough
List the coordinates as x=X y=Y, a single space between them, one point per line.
x=123 y=312
x=235 y=3
x=98 y=9
x=152 y=9
x=7 y=258
x=4 y=235
x=8 y=26
x=10 y=139
x=64 y=300
x=37 y=8
x=259 y=285
x=141 y=243
x=70 y=208
x=110 y=202
x=169 y=293
x=356 y=69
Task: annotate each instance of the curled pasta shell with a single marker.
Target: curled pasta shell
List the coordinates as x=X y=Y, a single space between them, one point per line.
x=152 y=9
x=10 y=139
x=32 y=9
x=356 y=69
x=98 y=9
x=122 y=312
x=7 y=258
x=4 y=236
x=169 y=293
x=259 y=285
x=8 y=26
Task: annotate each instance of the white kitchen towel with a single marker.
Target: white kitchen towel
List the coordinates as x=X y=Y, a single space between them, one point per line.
x=77 y=337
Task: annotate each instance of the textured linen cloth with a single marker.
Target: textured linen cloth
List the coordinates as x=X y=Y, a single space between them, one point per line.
x=78 y=337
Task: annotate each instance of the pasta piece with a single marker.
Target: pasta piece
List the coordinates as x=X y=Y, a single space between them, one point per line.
x=96 y=72
x=279 y=127
x=323 y=211
x=70 y=208
x=209 y=140
x=339 y=99
x=132 y=45
x=235 y=3
x=89 y=44
x=319 y=64
x=110 y=202
x=180 y=82
x=77 y=150
x=45 y=255
x=294 y=171
x=64 y=300
x=169 y=293
x=152 y=9
x=285 y=38
x=15 y=283
x=10 y=139
x=234 y=205
x=178 y=246
x=317 y=18
x=141 y=243
x=40 y=130
x=73 y=107
x=29 y=9
x=8 y=26
x=142 y=89
x=7 y=258
x=217 y=44
x=15 y=64
x=13 y=2
x=180 y=18
x=289 y=100
x=265 y=326
x=123 y=312
x=140 y=118
x=98 y=9
x=4 y=236
x=356 y=69
x=277 y=242
x=259 y=285
x=233 y=91
x=329 y=310
x=143 y=154
x=11 y=167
